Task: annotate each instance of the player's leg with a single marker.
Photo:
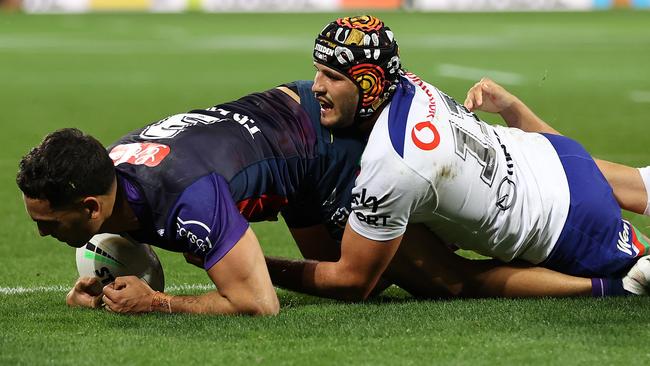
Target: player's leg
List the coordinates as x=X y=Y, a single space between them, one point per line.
x=426 y=267
x=629 y=184
x=595 y=240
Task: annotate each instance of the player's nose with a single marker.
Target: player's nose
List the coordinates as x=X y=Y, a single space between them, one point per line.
x=318 y=87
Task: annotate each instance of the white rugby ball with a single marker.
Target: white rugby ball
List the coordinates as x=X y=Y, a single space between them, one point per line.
x=107 y=256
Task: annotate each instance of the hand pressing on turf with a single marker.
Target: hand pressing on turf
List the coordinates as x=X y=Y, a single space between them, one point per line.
x=86 y=292
x=488 y=96
x=128 y=295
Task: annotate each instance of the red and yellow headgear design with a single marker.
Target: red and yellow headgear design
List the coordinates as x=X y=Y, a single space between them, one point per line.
x=363 y=49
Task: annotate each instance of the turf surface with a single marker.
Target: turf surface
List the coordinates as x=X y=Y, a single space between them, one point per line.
x=585 y=73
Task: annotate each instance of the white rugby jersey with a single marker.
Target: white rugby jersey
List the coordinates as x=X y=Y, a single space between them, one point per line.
x=495 y=190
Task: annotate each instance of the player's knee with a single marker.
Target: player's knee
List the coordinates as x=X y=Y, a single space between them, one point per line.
x=263 y=308
x=269 y=309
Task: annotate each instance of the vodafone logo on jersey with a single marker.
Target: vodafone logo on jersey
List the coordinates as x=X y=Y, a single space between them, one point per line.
x=138 y=153
x=425 y=136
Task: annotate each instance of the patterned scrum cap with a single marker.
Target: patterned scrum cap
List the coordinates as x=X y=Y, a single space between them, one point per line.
x=363 y=49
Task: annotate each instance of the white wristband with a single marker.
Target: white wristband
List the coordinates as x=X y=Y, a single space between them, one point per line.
x=645 y=176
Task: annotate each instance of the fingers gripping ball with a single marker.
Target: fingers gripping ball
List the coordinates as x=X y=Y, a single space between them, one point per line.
x=107 y=256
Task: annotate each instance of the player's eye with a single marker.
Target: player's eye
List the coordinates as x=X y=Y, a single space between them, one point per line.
x=332 y=76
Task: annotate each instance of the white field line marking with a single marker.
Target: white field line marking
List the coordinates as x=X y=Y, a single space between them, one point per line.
x=471 y=73
x=640 y=96
x=65 y=288
x=25 y=290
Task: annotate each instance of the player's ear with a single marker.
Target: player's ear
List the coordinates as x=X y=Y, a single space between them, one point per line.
x=92 y=206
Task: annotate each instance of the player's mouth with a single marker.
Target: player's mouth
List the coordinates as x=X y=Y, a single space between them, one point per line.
x=325 y=106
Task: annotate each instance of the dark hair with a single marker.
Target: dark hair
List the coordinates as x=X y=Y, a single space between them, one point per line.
x=66 y=166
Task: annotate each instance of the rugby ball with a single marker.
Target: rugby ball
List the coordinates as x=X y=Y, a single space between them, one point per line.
x=107 y=256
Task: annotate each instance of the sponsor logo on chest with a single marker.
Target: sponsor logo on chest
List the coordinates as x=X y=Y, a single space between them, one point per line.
x=138 y=153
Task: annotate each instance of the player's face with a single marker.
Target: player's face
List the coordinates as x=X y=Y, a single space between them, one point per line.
x=338 y=97
x=70 y=225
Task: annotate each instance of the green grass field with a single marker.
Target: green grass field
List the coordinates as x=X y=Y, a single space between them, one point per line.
x=585 y=73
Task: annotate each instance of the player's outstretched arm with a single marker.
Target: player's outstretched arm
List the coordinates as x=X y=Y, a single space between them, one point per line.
x=315 y=243
x=241 y=277
x=352 y=277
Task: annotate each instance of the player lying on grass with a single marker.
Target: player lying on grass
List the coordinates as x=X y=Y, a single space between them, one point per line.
x=502 y=192
x=192 y=182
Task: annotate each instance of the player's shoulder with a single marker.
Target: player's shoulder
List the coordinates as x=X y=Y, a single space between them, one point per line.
x=414 y=101
x=408 y=133
x=411 y=110
x=383 y=159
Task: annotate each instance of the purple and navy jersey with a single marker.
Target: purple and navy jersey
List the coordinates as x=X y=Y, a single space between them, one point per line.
x=196 y=179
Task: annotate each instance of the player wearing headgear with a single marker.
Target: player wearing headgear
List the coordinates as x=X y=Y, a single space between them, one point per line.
x=365 y=51
x=191 y=183
x=498 y=191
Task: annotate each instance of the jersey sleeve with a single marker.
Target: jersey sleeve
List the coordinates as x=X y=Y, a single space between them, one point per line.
x=208 y=223
x=387 y=191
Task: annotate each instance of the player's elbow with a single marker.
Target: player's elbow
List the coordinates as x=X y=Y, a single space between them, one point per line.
x=356 y=288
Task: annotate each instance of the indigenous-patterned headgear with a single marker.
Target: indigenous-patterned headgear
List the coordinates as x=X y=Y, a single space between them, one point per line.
x=363 y=49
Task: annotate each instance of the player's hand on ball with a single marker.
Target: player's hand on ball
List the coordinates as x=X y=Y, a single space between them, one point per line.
x=86 y=292
x=128 y=295
x=488 y=96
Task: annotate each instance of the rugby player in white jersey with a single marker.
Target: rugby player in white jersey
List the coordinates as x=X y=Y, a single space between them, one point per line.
x=508 y=194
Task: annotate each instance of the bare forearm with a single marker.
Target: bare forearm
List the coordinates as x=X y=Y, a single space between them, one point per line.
x=313 y=278
x=518 y=115
x=209 y=303
x=287 y=273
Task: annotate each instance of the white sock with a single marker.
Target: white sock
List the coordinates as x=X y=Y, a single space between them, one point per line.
x=645 y=176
